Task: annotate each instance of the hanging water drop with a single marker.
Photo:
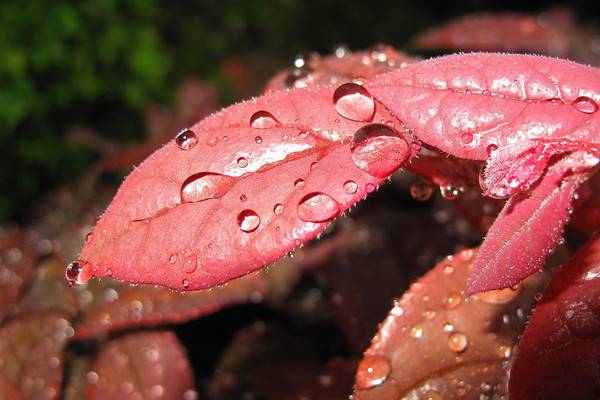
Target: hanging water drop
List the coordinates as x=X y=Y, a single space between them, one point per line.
x=248 y=220
x=585 y=105
x=263 y=120
x=421 y=190
x=317 y=207
x=379 y=149
x=204 y=186
x=354 y=102
x=372 y=371
x=186 y=139
x=78 y=272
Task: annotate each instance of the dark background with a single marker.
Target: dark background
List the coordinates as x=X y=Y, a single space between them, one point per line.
x=97 y=63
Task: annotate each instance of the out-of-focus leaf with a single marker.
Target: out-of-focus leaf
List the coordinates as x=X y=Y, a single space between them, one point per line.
x=436 y=341
x=32 y=353
x=79 y=374
x=559 y=353
x=143 y=365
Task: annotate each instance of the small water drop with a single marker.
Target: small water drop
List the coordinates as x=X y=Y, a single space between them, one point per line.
x=467 y=137
x=248 y=220
x=278 y=209
x=350 y=187
x=585 y=105
x=190 y=264
x=372 y=371
x=416 y=332
x=432 y=395
x=242 y=162
x=204 y=186
x=379 y=149
x=500 y=296
x=185 y=283
x=243 y=197
x=263 y=120
x=354 y=102
x=298 y=183
x=78 y=272
x=369 y=188
x=173 y=258
x=421 y=190
x=504 y=352
x=458 y=342
x=258 y=139
x=186 y=139
x=451 y=191
x=318 y=207
x=453 y=300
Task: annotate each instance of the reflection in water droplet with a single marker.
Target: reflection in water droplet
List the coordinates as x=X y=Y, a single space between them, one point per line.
x=458 y=342
x=416 y=332
x=372 y=371
x=421 y=190
x=242 y=162
x=186 y=139
x=190 y=264
x=248 y=220
x=204 y=186
x=501 y=296
x=379 y=149
x=263 y=120
x=453 y=300
x=350 y=187
x=78 y=272
x=173 y=258
x=354 y=102
x=278 y=209
x=88 y=237
x=318 y=207
x=585 y=105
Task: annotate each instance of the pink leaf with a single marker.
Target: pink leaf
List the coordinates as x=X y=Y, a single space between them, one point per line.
x=560 y=349
x=242 y=188
x=526 y=231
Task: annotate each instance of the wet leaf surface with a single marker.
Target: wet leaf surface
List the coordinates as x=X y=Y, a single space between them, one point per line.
x=560 y=349
x=142 y=365
x=436 y=341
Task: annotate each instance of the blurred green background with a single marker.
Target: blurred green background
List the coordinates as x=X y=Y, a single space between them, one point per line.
x=97 y=63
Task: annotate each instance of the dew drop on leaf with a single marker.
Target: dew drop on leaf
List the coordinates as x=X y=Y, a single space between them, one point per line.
x=263 y=120
x=379 y=149
x=204 y=186
x=350 y=187
x=422 y=190
x=248 y=220
x=585 y=105
x=504 y=352
x=186 y=139
x=372 y=371
x=450 y=191
x=78 y=272
x=458 y=342
x=354 y=102
x=318 y=207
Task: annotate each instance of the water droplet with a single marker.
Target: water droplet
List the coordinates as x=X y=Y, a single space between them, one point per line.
x=504 y=352
x=501 y=296
x=248 y=220
x=354 y=102
x=432 y=395
x=186 y=139
x=421 y=190
x=350 y=187
x=372 y=371
x=416 y=332
x=258 y=139
x=467 y=137
x=190 y=264
x=429 y=314
x=453 y=300
x=263 y=120
x=204 y=186
x=448 y=269
x=79 y=272
x=378 y=149
x=318 y=207
x=585 y=105
x=88 y=237
x=451 y=191
x=458 y=342
x=173 y=258
x=242 y=162
x=278 y=209
x=185 y=283
x=296 y=76
x=243 y=197
x=369 y=188
x=341 y=51
x=448 y=327
x=298 y=183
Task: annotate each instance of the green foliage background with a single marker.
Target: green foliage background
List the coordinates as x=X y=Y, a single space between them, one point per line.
x=96 y=63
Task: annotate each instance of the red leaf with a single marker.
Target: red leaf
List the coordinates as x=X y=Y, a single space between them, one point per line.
x=256 y=180
x=526 y=231
x=144 y=365
x=560 y=349
x=439 y=343
x=31 y=350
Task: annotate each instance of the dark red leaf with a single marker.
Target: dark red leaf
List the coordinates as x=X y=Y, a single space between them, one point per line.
x=438 y=342
x=142 y=365
x=560 y=351
x=32 y=353
x=256 y=181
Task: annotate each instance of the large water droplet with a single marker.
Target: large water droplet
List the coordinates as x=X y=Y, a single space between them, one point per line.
x=379 y=149
x=421 y=190
x=350 y=187
x=354 y=102
x=248 y=220
x=458 y=342
x=263 y=120
x=585 y=105
x=204 y=186
x=501 y=296
x=372 y=371
x=318 y=207
x=79 y=272
x=186 y=139
x=190 y=264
